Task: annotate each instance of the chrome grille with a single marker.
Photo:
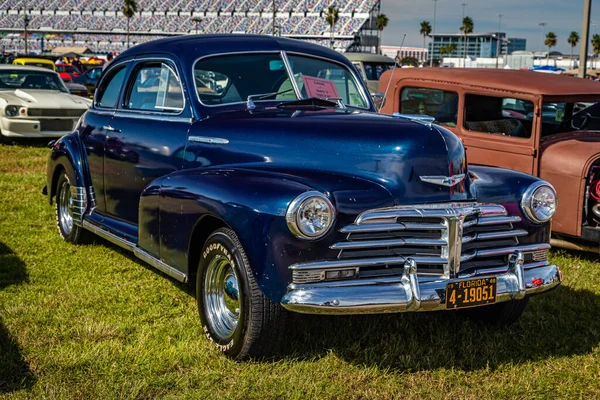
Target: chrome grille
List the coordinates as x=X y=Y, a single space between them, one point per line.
x=56 y=124
x=443 y=239
x=54 y=112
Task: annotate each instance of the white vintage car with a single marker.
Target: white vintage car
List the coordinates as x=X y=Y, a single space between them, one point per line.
x=34 y=102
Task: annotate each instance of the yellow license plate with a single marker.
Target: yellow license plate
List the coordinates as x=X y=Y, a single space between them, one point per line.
x=471 y=293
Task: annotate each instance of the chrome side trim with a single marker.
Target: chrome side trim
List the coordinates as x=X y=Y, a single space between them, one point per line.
x=92 y=197
x=79 y=198
x=139 y=253
x=160 y=265
x=111 y=237
x=208 y=140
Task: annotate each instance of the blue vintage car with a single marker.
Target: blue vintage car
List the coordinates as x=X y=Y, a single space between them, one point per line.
x=257 y=169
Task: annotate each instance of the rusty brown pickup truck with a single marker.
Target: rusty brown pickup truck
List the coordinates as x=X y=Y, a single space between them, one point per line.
x=545 y=125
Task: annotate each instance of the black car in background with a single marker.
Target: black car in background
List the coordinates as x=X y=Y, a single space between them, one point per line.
x=89 y=79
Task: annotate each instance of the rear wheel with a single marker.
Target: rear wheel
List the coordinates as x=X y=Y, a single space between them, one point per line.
x=64 y=211
x=234 y=313
x=505 y=313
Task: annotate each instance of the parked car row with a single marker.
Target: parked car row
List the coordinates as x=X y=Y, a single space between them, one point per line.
x=258 y=170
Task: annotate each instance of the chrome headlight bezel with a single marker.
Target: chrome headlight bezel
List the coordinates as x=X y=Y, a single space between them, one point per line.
x=293 y=215
x=12 y=107
x=527 y=202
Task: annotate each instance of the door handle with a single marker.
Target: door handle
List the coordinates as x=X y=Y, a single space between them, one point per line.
x=208 y=140
x=110 y=129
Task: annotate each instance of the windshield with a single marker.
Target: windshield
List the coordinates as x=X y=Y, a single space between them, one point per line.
x=374 y=70
x=232 y=78
x=66 y=68
x=24 y=79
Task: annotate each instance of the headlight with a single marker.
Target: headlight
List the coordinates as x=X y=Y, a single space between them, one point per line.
x=11 y=111
x=539 y=202
x=310 y=215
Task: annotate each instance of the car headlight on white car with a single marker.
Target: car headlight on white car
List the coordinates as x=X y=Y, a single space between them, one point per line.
x=310 y=215
x=539 y=202
x=11 y=111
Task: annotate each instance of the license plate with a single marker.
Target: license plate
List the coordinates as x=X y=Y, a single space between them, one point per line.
x=470 y=293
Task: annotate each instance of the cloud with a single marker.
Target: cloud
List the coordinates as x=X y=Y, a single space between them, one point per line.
x=521 y=18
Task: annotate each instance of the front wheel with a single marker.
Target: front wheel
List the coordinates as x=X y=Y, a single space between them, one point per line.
x=506 y=313
x=234 y=313
x=64 y=211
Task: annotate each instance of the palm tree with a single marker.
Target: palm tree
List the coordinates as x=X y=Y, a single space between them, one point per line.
x=596 y=47
x=425 y=30
x=550 y=42
x=467 y=27
x=332 y=16
x=443 y=51
x=129 y=9
x=381 y=22
x=573 y=40
x=451 y=48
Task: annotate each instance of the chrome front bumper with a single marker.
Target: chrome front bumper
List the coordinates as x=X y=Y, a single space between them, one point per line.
x=406 y=294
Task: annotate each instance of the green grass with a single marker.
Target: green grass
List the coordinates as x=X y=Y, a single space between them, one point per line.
x=92 y=322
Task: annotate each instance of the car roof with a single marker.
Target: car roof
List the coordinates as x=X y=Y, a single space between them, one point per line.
x=25 y=67
x=521 y=81
x=369 y=57
x=196 y=46
x=33 y=59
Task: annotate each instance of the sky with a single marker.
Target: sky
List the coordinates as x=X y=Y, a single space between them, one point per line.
x=521 y=18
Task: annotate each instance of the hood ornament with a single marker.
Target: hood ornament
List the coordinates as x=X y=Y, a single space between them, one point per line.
x=448 y=181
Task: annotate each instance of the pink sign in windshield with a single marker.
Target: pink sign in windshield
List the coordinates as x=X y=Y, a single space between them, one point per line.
x=320 y=88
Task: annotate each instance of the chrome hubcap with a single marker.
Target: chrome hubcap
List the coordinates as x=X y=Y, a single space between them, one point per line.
x=222 y=297
x=65 y=208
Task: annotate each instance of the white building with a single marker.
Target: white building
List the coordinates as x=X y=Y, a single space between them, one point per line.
x=419 y=53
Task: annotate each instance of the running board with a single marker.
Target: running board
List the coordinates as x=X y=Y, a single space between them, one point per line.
x=139 y=253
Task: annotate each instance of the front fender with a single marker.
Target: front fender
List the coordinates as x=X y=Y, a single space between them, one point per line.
x=66 y=154
x=253 y=203
x=506 y=187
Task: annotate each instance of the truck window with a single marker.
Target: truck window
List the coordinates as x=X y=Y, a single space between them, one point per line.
x=440 y=104
x=498 y=116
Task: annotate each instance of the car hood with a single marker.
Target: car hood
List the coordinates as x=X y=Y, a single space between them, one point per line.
x=43 y=99
x=392 y=152
x=570 y=153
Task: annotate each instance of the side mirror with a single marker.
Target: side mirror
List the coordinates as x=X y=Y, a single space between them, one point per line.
x=379 y=100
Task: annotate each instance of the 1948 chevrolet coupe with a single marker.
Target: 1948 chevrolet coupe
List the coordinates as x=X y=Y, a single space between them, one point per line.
x=257 y=169
x=528 y=121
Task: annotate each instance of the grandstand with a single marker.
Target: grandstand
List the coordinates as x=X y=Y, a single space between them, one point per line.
x=100 y=26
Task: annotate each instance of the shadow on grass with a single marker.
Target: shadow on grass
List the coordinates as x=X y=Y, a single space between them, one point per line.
x=29 y=142
x=15 y=373
x=560 y=323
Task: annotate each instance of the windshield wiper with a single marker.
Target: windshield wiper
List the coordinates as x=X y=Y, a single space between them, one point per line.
x=250 y=103
x=310 y=103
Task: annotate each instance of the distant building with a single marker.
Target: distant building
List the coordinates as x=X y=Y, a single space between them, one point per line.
x=478 y=45
x=419 y=53
x=516 y=44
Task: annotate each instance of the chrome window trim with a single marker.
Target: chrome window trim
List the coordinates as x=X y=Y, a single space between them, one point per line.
x=111 y=67
x=172 y=68
x=283 y=54
x=290 y=72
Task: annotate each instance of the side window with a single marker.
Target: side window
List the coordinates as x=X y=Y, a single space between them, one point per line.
x=155 y=87
x=440 y=104
x=108 y=93
x=499 y=116
x=94 y=73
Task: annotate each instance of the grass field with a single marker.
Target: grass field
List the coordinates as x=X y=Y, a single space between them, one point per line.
x=92 y=322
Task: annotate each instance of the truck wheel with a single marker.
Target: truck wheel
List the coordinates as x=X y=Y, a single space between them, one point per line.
x=234 y=313
x=505 y=313
x=64 y=211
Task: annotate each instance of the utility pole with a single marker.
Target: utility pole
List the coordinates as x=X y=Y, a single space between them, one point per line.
x=543 y=25
x=433 y=33
x=585 y=38
x=464 y=5
x=498 y=42
x=26 y=23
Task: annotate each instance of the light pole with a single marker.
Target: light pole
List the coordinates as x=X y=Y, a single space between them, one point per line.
x=543 y=25
x=433 y=33
x=498 y=38
x=274 y=14
x=585 y=36
x=25 y=24
x=464 y=5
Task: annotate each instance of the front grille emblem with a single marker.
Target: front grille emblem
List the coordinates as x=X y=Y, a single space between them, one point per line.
x=448 y=181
